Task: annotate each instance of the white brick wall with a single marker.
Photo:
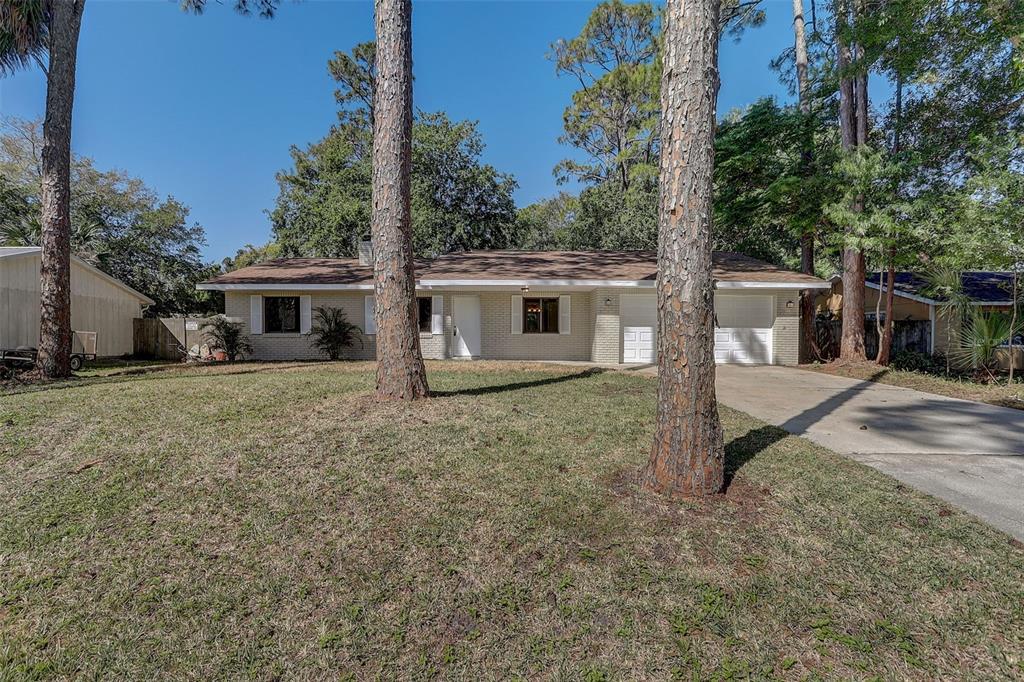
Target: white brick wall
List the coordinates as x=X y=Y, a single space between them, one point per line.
x=498 y=343
x=299 y=346
x=786 y=329
x=596 y=333
x=606 y=342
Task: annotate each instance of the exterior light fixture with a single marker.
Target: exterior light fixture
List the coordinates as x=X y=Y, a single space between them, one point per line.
x=525 y=289
x=790 y=304
x=608 y=300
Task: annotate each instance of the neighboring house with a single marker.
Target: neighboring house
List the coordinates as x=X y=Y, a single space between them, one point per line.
x=594 y=306
x=913 y=303
x=99 y=303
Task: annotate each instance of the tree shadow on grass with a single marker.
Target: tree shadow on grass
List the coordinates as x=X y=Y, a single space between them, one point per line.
x=134 y=375
x=744 y=448
x=519 y=385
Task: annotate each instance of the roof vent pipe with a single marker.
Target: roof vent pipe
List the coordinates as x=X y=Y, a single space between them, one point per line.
x=366 y=251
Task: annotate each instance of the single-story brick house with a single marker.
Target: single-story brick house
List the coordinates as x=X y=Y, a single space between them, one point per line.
x=596 y=306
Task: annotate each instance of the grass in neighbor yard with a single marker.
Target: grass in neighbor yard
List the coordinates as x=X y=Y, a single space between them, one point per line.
x=275 y=521
x=1000 y=394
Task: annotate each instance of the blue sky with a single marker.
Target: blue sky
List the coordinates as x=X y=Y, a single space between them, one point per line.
x=204 y=108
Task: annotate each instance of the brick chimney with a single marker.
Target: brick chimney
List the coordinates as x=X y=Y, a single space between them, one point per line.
x=366 y=251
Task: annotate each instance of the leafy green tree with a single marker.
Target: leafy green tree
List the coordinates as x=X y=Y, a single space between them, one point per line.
x=765 y=199
x=251 y=255
x=545 y=225
x=118 y=223
x=613 y=118
x=610 y=217
x=458 y=202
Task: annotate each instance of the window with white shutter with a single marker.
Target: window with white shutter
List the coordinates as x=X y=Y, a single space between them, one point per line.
x=565 y=314
x=305 y=314
x=517 y=314
x=369 y=321
x=437 y=315
x=255 y=314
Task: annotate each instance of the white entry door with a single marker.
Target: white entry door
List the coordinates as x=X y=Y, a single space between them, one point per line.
x=466 y=326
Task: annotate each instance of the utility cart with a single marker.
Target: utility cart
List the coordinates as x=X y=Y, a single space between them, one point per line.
x=83 y=347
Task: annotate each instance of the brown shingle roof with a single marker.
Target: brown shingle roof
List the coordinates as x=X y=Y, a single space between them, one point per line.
x=510 y=265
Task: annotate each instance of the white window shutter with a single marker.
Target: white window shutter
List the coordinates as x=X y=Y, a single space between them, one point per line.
x=565 y=314
x=255 y=314
x=305 y=314
x=437 y=314
x=517 y=314
x=369 y=321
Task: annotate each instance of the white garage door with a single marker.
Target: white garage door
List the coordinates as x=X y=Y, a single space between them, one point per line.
x=743 y=334
x=638 y=314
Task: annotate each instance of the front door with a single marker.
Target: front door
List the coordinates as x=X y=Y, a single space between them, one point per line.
x=466 y=326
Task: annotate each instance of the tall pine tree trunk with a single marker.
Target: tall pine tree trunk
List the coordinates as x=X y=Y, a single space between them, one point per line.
x=687 y=457
x=400 y=371
x=851 y=347
x=809 y=343
x=55 y=268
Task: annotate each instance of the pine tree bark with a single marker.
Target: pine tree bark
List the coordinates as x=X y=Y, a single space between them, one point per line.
x=687 y=457
x=400 y=371
x=55 y=261
x=851 y=346
x=809 y=346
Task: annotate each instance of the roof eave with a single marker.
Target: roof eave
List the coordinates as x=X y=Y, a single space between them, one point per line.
x=496 y=283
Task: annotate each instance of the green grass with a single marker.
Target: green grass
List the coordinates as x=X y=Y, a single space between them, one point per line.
x=1001 y=394
x=275 y=521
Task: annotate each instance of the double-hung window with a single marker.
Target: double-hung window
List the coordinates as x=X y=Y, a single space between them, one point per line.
x=426 y=313
x=540 y=315
x=281 y=314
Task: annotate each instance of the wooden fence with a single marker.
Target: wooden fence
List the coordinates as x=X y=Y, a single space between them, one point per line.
x=163 y=338
x=913 y=335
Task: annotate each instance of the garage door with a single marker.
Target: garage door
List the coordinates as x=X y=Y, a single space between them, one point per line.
x=743 y=334
x=638 y=314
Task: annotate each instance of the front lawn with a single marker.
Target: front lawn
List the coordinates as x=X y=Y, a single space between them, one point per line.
x=275 y=521
x=1001 y=394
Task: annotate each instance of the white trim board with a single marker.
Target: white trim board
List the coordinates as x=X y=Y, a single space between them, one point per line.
x=429 y=284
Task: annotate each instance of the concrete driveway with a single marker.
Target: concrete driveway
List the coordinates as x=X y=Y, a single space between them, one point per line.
x=969 y=454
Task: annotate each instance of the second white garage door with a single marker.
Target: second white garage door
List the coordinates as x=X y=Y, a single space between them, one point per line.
x=743 y=334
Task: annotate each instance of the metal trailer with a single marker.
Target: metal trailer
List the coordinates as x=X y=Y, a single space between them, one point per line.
x=83 y=347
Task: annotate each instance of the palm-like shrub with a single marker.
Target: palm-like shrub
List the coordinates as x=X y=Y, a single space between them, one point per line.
x=226 y=335
x=333 y=333
x=981 y=337
x=945 y=284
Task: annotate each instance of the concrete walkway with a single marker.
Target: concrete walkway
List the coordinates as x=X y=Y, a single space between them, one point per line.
x=968 y=454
